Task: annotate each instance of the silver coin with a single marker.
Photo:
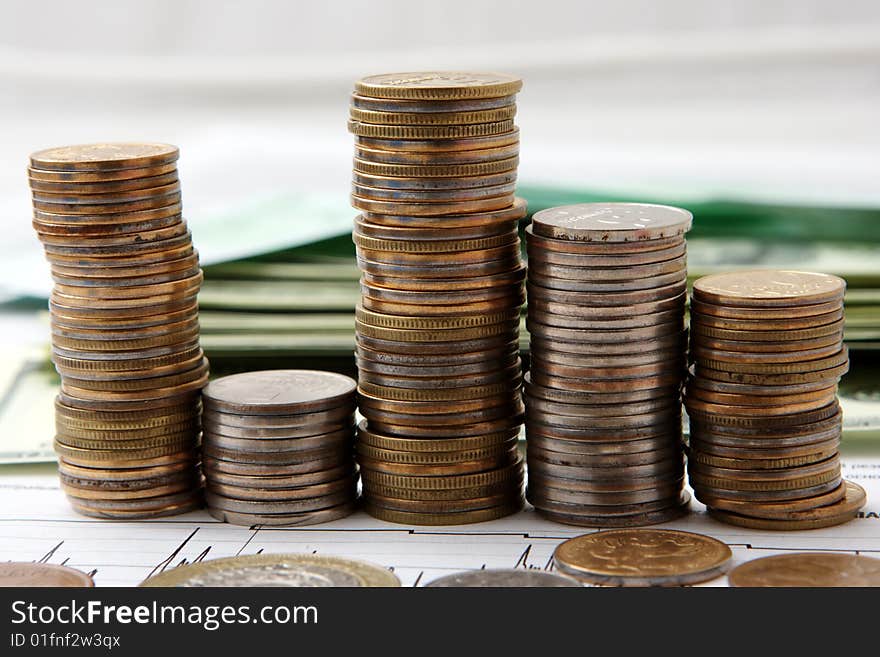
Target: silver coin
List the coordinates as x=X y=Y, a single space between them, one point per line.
x=277 y=570
x=504 y=578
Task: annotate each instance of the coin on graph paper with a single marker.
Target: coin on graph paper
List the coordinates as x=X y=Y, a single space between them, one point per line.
x=643 y=557
x=504 y=578
x=808 y=569
x=277 y=570
x=42 y=574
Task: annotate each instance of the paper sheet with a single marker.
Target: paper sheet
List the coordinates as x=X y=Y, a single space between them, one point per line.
x=40 y=526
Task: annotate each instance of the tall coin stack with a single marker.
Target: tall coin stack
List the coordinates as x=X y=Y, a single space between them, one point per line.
x=125 y=331
x=765 y=425
x=442 y=288
x=278 y=447
x=607 y=291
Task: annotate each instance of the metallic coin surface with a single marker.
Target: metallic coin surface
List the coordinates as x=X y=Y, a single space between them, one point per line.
x=276 y=570
x=769 y=288
x=504 y=578
x=643 y=557
x=611 y=222
x=438 y=85
x=278 y=392
x=808 y=569
x=30 y=574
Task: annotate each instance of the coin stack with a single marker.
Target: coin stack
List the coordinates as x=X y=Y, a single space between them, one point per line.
x=607 y=292
x=765 y=425
x=278 y=447
x=442 y=290
x=125 y=332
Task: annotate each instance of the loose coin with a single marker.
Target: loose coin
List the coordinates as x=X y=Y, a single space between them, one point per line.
x=808 y=569
x=643 y=557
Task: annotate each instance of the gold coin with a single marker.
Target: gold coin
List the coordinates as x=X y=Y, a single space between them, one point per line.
x=378 y=154
x=438 y=85
x=435 y=246
x=81 y=456
x=774 y=510
x=703 y=458
x=485 y=168
x=104 y=156
x=437 y=132
x=439 y=335
x=643 y=557
x=452 y=518
x=446 y=482
x=432 y=118
x=769 y=288
x=404 y=105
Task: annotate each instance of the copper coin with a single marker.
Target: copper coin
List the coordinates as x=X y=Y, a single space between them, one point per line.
x=611 y=260
x=432 y=238
x=734 y=312
x=562 y=358
x=380 y=181
x=510 y=373
x=421 y=209
x=426 y=163
x=490 y=306
x=610 y=461
x=669 y=415
x=435 y=457
x=694 y=391
x=494 y=462
x=371 y=404
x=825 y=512
x=675 y=340
x=511 y=488
x=571 y=396
x=701 y=353
x=512 y=277
x=427 y=338
x=821 y=453
x=468 y=257
x=131 y=216
x=104 y=156
x=808 y=569
x=408 y=105
x=366 y=436
x=444 y=506
x=600 y=372
x=99 y=231
x=506 y=264
x=108 y=187
x=469 y=348
x=512 y=421
x=29 y=574
x=769 y=288
x=608 y=477
x=538 y=405
x=548 y=489
x=446 y=421
x=669 y=378
x=462 y=215
x=603 y=336
x=791 y=336
x=768 y=451
x=432 y=247
x=604 y=275
x=647 y=488
x=105 y=176
x=779 y=327
x=171 y=199
x=762 y=347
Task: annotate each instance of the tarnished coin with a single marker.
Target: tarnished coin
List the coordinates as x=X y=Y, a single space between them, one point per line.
x=611 y=222
x=772 y=288
x=815 y=518
x=643 y=557
x=31 y=574
x=300 y=519
x=105 y=156
x=504 y=578
x=277 y=570
x=808 y=569
x=450 y=518
x=278 y=392
x=411 y=105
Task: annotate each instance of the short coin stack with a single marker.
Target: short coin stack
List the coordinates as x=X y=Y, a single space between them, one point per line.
x=607 y=292
x=125 y=332
x=767 y=352
x=278 y=447
x=442 y=288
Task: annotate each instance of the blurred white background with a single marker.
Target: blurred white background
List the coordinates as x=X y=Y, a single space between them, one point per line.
x=756 y=99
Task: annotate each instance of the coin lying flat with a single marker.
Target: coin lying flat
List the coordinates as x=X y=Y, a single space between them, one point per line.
x=30 y=574
x=504 y=578
x=643 y=557
x=769 y=288
x=278 y=391
x=438 y=85
x=808 y=569
x=606 y=222
x=276 y=570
